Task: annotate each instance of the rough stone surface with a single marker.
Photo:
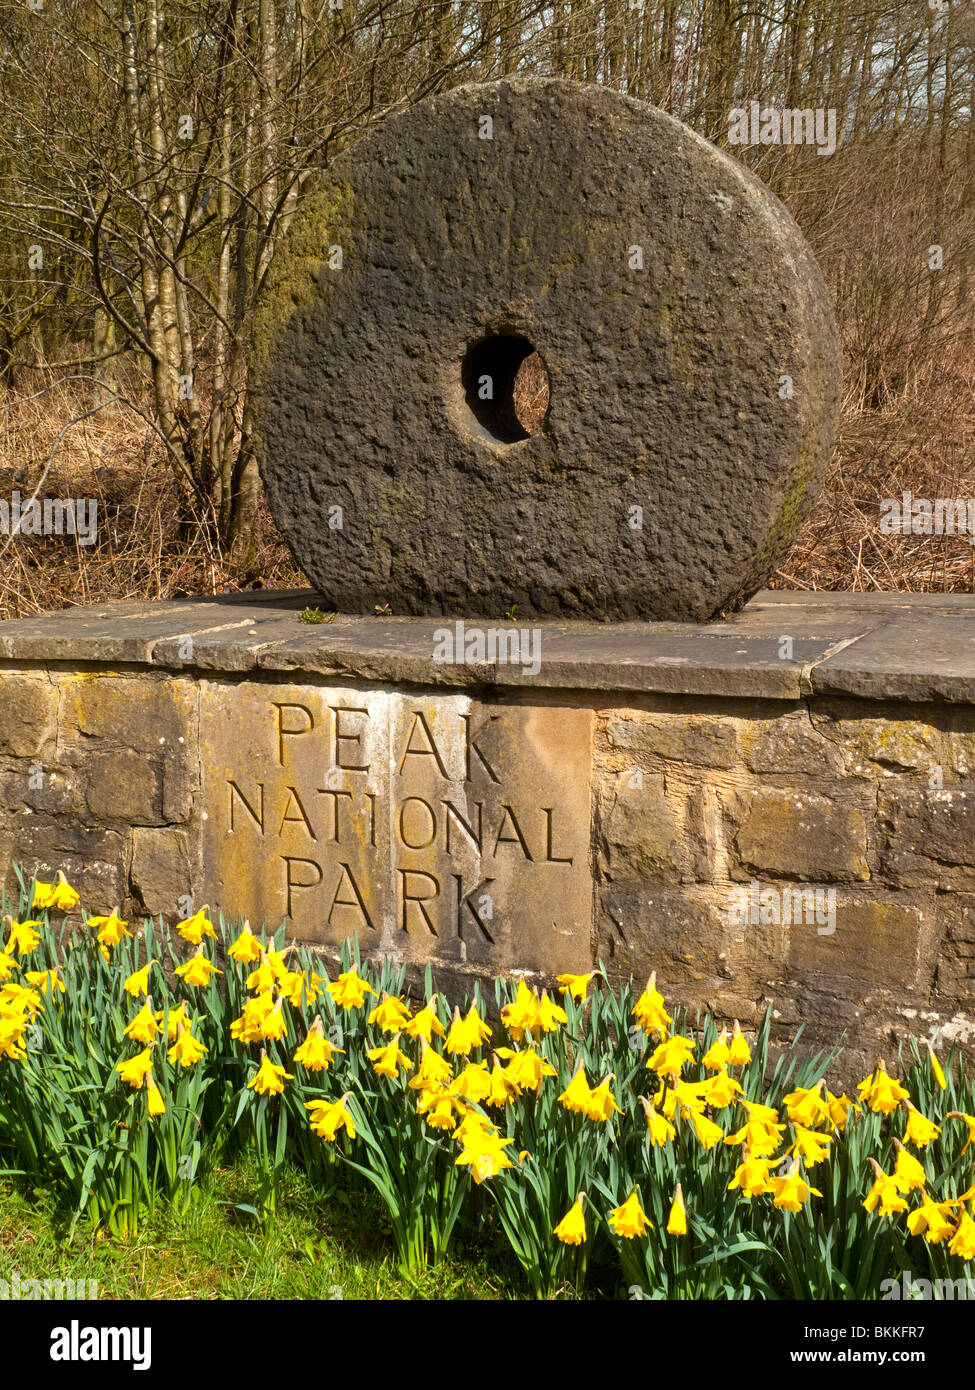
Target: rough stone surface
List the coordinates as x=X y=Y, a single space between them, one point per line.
x=142 y=715
x=664 y=380
x=800 y=834
x=918 y=662
x=752 y=781
x=42 y=789
x=876 y=942
x=892 y=743
x=640 y=831
x=681 y=933
x=121 y=786
x=930 y=835
x=435 y=828
x=162 y=870
x=27 y=714
x=702 y=740
x=95 y=860
x=744 y=656
x=789 y=744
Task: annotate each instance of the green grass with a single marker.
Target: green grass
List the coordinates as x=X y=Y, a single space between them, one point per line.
x=340 y=1247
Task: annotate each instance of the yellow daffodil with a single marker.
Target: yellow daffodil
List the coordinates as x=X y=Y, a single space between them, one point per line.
x=349 y=990
x=312 y=990
x=328 y=1117
x=661 y=1130
x=919 y=1130
x=969 y=1120
x=193 y=929
x=275 y=960
x=474 y=1127
x=390 y=1015
x=197 y=970
x=157 y=1106
x=45 y=980
x=936 y=1071
x=602 y=1102
x=811 y=1147
x=577 y=1096
x=791 y=1191
x=669 y=1058
x=274 y=1025
x=7 y=966
x=269 y=1079
x=761 y=1139
x=59 y=895
x=426 y=1023
x=293 y=987
x=571 y=1230
x=929 y=1220
x=138 y=982
x=136 y=1069
x=526 y=1069
x=109 y=930
x=386 y=1060
x=20 y=998
x=22 y=938
x=316 y=1052
x=246 y=948
x=11 y=1037
x=884 y=1193
x=143 y=1028
x=502 y=1090
x=759 y=1113
x=433 y=1070
x=43 y=895
x=263 y=978
x=629 y=1220
x=550 y=1014
x=186 y=1050
x=839 y=1108
x=466 y=1034
x=521 y=1016
x=752 y=1176
x=909 y=1175
x=881 y=1092
x=677 y=1220
x=807 y=1106
x=708 y=1133
x=963 y=1241
x=438 y=1106
x=473 y=1082
x=720 y=1090
x=649 y=1010
x=689 y=1095
x=483 y=1153
x=716 y=1057
x=177 y=1016
x=576 y=985
x=739 y=1053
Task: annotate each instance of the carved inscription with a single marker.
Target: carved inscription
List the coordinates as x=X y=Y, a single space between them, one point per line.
x=430 y=826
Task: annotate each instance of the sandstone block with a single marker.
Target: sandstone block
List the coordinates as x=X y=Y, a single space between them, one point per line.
x=28 y=714
x=799 y=834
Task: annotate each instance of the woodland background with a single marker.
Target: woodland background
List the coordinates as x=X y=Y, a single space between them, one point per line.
x=152 y=156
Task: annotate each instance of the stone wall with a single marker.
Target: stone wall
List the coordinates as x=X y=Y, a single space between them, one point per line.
x=169 y=755
x=872 y=800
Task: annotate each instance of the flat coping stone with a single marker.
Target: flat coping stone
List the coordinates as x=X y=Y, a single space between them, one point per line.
x=782 y=645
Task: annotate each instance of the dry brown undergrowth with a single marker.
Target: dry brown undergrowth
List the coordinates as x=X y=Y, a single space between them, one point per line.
x=923 y=445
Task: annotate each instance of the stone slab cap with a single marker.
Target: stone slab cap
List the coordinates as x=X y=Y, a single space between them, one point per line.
x=780 y=646
x=691 y=354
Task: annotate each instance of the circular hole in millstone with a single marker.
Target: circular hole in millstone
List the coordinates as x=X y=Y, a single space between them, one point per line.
x=506 y=387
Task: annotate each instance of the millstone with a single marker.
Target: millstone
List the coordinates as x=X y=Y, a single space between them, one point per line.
x=692 y=361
